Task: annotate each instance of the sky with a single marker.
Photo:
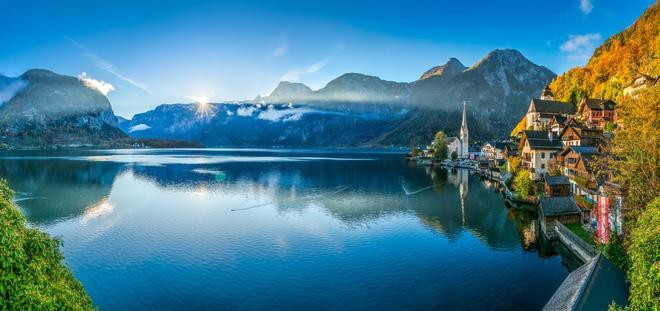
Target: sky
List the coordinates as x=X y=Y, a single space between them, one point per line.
x=145 y=53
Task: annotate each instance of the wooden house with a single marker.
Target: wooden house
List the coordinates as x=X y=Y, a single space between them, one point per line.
x=562 y=209
x=557 y=186
x=579 y=135
x=574 y=162
x=597 y=112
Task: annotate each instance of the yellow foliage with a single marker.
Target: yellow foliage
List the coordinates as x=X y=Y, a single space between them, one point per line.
x=615 y=63
x=522 y=125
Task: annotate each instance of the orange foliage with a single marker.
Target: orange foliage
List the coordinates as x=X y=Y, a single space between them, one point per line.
x=615 y=63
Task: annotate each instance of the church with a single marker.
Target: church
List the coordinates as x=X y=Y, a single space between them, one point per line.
x=460 y=144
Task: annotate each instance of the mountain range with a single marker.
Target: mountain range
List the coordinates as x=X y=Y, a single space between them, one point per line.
x=42 y=108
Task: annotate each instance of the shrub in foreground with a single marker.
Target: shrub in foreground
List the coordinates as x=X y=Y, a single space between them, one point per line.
x=32 y=275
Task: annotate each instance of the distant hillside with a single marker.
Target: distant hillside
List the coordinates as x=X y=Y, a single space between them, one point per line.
x=42 y=109
x=616 y=62
x=361 y=110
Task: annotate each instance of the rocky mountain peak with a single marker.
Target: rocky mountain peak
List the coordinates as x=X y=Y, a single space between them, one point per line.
x=452 y=67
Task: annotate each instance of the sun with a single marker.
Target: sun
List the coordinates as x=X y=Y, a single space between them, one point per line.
x=204 y=109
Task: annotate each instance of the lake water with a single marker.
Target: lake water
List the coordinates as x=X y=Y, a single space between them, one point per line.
x=299 y=230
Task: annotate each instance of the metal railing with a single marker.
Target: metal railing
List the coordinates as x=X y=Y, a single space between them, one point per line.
x=575 y=240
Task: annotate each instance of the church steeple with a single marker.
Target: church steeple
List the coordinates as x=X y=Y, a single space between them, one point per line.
x=464 y=135
x=546 y=94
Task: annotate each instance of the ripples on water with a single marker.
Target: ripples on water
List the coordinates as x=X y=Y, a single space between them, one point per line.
x=263 y=229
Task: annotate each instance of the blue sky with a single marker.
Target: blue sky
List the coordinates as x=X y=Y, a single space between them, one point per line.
x=152 y=52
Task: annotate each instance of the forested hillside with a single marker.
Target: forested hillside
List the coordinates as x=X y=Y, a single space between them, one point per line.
x=616 y=62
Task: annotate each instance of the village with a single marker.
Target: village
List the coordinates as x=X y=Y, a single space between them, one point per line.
x=555 y=164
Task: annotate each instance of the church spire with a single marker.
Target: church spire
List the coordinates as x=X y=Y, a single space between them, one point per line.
x=464 y=135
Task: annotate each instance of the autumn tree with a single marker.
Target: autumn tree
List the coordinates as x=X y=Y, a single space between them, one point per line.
x=440 y=146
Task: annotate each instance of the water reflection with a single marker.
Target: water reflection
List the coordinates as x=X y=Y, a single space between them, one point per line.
x=322 y=226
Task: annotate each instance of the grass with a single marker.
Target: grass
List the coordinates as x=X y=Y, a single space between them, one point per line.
x=581 y=232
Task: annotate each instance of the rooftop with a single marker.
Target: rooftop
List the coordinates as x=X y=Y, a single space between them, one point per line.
x=557 y=180
x=541 y=140
x=556 y=206
x=599 y=104
x=593 y=286
x=551 y=106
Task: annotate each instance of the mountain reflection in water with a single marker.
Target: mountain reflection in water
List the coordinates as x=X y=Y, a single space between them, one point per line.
x=129 y=202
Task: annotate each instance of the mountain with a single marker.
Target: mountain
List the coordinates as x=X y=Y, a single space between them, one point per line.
x=616 y=62
x=44 y=109
x=361 y=110
x=272 y=125
x=355 y=87
x=349 y=87
x=289 y=91
x=497 y=90
x=452 y=67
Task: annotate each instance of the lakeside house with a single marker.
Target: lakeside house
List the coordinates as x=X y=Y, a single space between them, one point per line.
x=597 y=112
x=538 y=150
x=557 y=186
x=497 y=150
x=562 y=209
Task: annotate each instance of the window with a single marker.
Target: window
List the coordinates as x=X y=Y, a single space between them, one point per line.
x=542 y=166
x=542 y=155
x=551 y=155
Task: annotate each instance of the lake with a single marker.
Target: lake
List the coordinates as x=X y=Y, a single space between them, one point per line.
x=251 y=229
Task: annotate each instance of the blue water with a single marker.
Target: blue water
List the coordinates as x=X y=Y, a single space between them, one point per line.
x=290 y=229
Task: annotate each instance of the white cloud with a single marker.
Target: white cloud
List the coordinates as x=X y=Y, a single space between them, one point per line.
x=295 y=74
x=281 y=48
x=290 y=114
x=8 y=91
x=99 y=85
x=108 y=66
x=139 y=127
x=580 y=47
x=586 y=6
x=245 y=111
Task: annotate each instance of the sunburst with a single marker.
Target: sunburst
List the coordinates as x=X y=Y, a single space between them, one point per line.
x=204 y=109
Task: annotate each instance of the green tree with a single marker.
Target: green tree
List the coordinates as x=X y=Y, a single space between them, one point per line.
x=644 y=254
x=454 y=155
x=32 y=276
x=440 y=146
x=610 y=127
x=523 y=184
x=635 y=159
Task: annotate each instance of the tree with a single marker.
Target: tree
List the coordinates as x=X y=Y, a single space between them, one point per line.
x=454 y=155
x=635 y=160
x=644 y=254
x=514 y=165
x=523 y=184
x=440 y=146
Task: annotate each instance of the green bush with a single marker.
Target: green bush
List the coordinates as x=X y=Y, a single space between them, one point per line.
x=615 y=252
x=523 y=184
x=32 y=276
x=644 y=254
